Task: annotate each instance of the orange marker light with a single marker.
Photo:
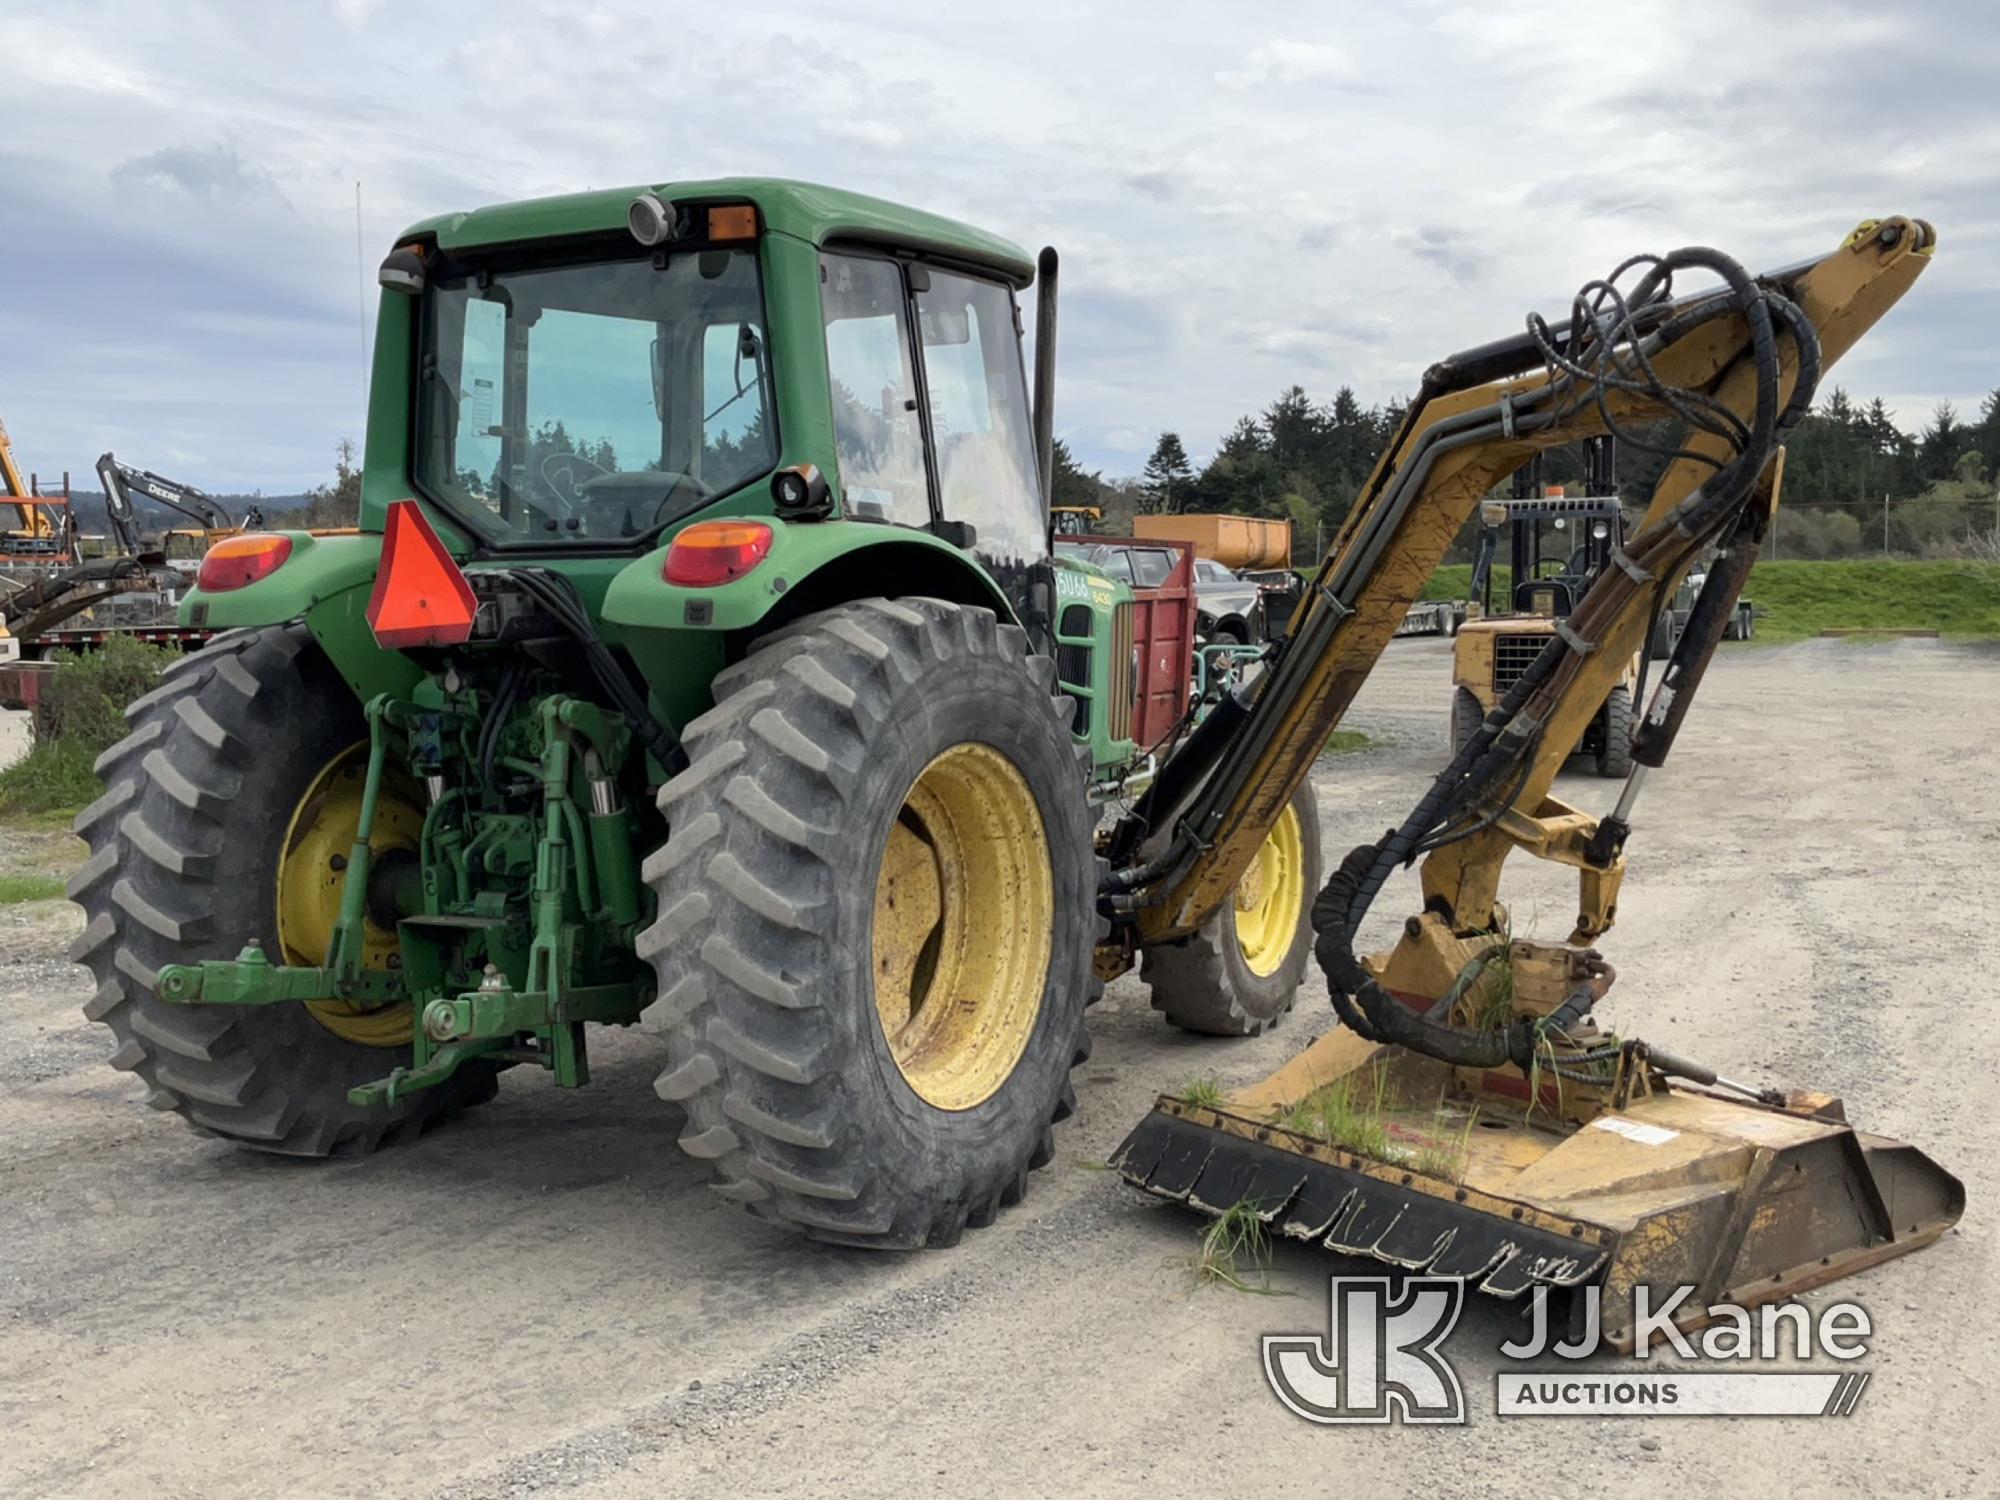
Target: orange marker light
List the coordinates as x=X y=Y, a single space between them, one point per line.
x=237 y=561
x=715 y=552
x=420 y=598
x=736 y=222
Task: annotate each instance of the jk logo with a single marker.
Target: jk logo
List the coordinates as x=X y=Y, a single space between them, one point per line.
x=1379 y=1360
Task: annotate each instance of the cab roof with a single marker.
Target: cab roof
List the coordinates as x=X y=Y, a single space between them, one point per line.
x=803 y=210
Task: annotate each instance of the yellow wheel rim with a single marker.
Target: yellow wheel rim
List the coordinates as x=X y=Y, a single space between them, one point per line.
x=310 y=875
x=964 y=918
x=1271 y=895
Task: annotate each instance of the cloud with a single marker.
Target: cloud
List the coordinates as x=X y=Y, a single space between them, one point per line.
x=1234 y=213
x=199 y=172
x=1456 y=254
x=1289 y=62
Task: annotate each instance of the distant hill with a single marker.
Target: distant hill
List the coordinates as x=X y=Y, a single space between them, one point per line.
x=90 y=516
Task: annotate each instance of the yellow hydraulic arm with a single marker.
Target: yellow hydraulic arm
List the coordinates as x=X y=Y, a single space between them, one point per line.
x=1604 y=1163
x=1479 y=416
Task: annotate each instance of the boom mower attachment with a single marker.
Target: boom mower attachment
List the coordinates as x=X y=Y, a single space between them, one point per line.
x=1469 y=1118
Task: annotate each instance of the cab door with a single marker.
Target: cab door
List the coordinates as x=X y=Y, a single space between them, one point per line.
x=930 y=409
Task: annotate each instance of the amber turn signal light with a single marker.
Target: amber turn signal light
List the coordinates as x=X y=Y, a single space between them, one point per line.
x=238 y=561
x=716 y=552
x=738 y=221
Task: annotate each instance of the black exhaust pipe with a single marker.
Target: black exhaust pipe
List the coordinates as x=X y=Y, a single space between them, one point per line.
x=1045 y=373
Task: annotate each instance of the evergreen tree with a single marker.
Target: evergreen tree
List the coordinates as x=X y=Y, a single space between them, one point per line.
x=338 y=504
x=1937 y=449
x=1070 y=482
x=1168 y=476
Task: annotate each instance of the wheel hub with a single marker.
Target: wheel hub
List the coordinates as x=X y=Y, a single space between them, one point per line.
x=964 y=907
x=1271 y=895
x=312 y=872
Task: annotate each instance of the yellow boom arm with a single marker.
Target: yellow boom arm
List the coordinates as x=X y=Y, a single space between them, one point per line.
x=1480 y=416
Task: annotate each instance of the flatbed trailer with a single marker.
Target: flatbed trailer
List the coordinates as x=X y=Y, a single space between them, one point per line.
x=85 y=638
x=1433 y=617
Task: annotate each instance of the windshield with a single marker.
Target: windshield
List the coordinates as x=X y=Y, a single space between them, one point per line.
x=591 y=404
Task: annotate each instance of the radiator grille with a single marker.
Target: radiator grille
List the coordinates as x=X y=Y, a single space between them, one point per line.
x=1513 y=654
x=1073 y=663
x=1118 y=710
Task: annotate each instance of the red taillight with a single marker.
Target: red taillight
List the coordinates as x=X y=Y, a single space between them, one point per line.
x=420 y=598
x=714 y=552
x=238 y=561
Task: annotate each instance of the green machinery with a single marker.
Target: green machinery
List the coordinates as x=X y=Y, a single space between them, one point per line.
x=701 y=659
x=701 y=662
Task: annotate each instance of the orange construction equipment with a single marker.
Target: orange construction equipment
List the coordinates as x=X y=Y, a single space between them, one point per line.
x=45 y=531
x=1233 y=541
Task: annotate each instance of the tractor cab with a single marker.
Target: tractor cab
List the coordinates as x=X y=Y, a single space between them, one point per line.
x=1557 y=544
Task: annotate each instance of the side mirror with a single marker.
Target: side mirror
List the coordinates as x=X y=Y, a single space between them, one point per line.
x=659 y=357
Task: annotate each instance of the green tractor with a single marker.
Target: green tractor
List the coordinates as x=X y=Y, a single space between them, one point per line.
x=701 y=660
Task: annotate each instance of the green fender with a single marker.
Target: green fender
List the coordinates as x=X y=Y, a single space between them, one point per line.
x=811 y=565
x=678 y=635
x=325 y=582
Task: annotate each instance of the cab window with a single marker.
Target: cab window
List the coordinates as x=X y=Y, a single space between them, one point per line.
x=983 y=441
x=878 y=438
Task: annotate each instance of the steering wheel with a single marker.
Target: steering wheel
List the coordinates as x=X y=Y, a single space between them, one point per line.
x=559 y=479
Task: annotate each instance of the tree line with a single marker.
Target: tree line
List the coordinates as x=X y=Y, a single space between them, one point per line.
x=1848 y=467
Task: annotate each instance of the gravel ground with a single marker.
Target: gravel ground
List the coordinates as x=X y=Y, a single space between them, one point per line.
x=542 y=1298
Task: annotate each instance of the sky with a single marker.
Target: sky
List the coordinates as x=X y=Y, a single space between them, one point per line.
x=1245 y=195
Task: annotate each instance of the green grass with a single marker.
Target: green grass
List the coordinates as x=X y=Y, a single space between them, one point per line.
x=1495 y=990
x=1236 y=1247
x=1799 y=599
x=1345 y=1114
x=1443 y=1156
x=15 y=889
x=1453 y=579
x=1795 y=600
x=1344 y=742
x=1202 y=1093
x=1350 y=1113
x=51 y=781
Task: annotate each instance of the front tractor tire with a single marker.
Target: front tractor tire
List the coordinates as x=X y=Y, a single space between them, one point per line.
x=877 y=915
x=227 y=813
x=1239 y=974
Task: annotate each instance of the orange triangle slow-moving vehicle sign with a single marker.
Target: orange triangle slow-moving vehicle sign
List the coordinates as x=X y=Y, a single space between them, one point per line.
x=421 y=598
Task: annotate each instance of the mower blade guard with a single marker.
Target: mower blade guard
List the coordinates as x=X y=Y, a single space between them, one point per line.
x=1745 y=1203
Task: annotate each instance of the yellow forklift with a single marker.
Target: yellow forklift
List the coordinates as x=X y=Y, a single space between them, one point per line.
x=1557 y=546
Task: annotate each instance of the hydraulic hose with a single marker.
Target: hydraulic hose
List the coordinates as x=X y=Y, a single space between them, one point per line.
x=558 y=596
x=1602 y=352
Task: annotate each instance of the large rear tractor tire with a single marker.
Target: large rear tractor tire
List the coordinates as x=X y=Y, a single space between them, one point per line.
x=1240 y=973
x=228 y=814
x=878 y=911
x=1614 y=756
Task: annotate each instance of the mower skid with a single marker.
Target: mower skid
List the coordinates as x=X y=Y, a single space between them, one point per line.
x=1742 y=1203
